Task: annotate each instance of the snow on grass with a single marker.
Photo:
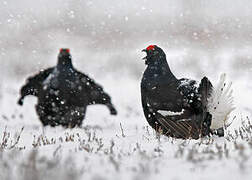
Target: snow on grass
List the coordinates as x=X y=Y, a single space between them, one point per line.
x=107 y=147
x=93 y=153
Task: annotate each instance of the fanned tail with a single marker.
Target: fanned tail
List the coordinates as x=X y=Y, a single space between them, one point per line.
x=220 y=103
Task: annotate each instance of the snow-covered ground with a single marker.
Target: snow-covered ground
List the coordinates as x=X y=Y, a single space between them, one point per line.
x=106 y=39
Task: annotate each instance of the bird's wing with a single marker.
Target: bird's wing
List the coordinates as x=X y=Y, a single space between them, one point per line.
x=178 y=107
x=162 y=97
x=93 y=91
x=172 y=97
x=34 y=83
x=176 y=126
x=192 y=121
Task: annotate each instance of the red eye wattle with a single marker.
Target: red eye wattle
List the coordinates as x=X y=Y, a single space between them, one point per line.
x=151 y=47
x=64 y=50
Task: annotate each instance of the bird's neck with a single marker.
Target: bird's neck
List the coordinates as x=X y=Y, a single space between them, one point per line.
x=64 y=63
x=160 y=69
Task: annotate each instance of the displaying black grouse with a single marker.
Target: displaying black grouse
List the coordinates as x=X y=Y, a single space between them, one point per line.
x=182 y=108
x=64 y=93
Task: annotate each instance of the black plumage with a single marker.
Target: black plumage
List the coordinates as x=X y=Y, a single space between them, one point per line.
x=64 y=93
x=175 y=107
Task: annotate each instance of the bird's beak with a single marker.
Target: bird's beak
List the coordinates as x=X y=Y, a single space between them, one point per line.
x=145 y=58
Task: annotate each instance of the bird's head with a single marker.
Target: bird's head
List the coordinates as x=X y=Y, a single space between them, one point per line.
x=64 y=57
x=155 y=55
x=64 y=52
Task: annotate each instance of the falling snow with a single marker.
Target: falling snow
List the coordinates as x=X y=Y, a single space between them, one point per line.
x=106 y=38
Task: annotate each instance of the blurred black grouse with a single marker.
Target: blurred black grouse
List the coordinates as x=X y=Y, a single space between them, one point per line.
x=64 y=93
x=180 y=107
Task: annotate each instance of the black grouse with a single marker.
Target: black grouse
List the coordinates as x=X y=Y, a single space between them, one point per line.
x=182 y=108
x=64 y=93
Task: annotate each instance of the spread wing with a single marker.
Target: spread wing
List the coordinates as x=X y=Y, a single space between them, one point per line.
x=93 y=91
x=34 y=84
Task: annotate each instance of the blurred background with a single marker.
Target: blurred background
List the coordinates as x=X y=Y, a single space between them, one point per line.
x=200 y=38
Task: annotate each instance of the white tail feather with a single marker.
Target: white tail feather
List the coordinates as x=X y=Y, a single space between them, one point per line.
x=220 y=103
